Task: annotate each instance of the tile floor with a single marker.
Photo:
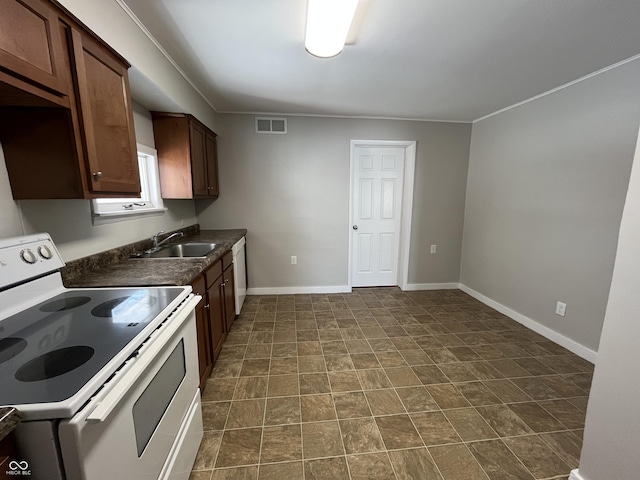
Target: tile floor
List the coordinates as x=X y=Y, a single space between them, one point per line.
x=385 y=384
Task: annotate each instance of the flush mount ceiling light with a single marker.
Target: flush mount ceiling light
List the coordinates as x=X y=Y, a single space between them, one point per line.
x=328 y=23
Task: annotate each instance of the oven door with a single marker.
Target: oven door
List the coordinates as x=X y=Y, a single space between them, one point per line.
x=146 y=416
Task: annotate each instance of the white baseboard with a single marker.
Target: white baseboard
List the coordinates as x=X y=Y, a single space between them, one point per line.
x=537 y=327
x=298 y=290
x=575 y=475
x=431 y=286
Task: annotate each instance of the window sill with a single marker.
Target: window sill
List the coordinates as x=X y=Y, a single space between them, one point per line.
x=111 y=217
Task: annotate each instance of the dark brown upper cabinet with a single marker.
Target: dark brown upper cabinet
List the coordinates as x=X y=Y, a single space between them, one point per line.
x=187 y=156
x=66 y=117
x=31 y=49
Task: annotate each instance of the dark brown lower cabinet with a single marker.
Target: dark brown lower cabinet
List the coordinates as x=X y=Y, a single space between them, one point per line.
x=205 y=360
x=215 y=314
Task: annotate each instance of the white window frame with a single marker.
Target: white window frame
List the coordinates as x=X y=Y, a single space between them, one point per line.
x=150 y=200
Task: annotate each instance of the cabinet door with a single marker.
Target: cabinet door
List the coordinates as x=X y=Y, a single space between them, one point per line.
x=205 y=358
x=106 y=117
x=198 y=159
x=229 y=297
x=216 y=319
x=212 y=164
x=30 y=43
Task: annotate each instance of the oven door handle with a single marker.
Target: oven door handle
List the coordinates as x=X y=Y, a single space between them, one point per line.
x=135 y=367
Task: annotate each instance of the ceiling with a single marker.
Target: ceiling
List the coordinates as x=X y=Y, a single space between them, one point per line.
x=448 y=60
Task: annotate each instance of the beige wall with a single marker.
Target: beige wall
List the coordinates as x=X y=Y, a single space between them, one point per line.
x=292 y=194
x=546 y=187
x=610 y=449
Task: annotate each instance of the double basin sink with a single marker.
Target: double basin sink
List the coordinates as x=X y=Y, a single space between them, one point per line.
x=179 y=250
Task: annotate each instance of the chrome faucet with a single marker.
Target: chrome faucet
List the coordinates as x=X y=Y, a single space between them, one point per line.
x=156 y=244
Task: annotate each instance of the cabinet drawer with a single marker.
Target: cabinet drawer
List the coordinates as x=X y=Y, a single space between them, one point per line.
x=227 y=260
x=212 y=273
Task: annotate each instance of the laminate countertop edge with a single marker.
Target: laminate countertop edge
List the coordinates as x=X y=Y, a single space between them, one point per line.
x=9 y=420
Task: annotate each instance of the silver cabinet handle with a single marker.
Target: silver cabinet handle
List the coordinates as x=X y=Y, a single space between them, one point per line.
x=97 y=175
x=355 y=227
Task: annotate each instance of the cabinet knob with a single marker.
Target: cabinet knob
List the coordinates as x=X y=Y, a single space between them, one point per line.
x=97 y=175
x=207 y=306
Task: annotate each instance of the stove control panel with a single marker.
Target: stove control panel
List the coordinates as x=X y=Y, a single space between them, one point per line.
x=27 y=257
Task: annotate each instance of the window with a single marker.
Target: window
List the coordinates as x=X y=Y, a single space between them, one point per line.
x=150 y=200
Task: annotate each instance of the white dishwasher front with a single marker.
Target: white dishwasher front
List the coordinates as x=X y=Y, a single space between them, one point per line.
x=240 y=273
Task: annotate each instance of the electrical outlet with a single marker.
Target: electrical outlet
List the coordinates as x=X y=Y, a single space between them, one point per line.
x=561 y=308
x=433 y=248
x=294 y=260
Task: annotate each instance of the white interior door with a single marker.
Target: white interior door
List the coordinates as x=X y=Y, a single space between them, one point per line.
x=377 y=178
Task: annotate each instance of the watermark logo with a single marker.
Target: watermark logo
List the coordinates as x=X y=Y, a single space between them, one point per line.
x=18 y=468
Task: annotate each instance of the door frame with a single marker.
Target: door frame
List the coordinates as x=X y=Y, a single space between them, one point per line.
x=407 y=202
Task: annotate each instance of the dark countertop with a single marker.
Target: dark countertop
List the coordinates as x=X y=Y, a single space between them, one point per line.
x=9 y=420
x=114 y=270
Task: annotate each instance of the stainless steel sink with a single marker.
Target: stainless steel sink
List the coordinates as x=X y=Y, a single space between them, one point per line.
x=180 y=250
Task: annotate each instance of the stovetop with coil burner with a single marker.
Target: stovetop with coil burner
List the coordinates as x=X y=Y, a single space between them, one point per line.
x=49 y=351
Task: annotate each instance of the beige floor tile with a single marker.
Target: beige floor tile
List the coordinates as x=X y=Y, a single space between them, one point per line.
x=351 y=405
x=456 y=462
x=246 y=413
x=414 y=463
x=398 y=432
x=206 y=457
x=384 y=402
x=498 y=461
x=316 y=408
x=250 y=387
x=214 y=415
x=361 y=435
x=326 y=469
x=344 y=381
x=281 y=444
x=281 y=471
x=536 y=455
x=369 y=466
x=416 y=399
x=321 y=439
x=469 y=424
x=312 y=383
x=283 y=386
x=239 y=447
x=282 y=410
x=434 y=428
x=236 y=473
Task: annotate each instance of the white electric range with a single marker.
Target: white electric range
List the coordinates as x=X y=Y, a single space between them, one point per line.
x=105 y=379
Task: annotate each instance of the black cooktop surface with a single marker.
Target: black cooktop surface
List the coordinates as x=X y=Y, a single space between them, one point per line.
x=49 y=351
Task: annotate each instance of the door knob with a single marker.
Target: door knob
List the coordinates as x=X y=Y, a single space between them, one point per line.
x=97 y=175
x=355 y=227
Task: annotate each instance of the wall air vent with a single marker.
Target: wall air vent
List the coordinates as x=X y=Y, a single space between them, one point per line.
x=271 y=125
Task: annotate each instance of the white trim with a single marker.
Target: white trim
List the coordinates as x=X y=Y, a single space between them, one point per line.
x=298 y=290
x=575 y=347
x=410 y=147
x=575 y=475
x=361 y=117
x=411 y=287
x=157 y=44
x=561 y=87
